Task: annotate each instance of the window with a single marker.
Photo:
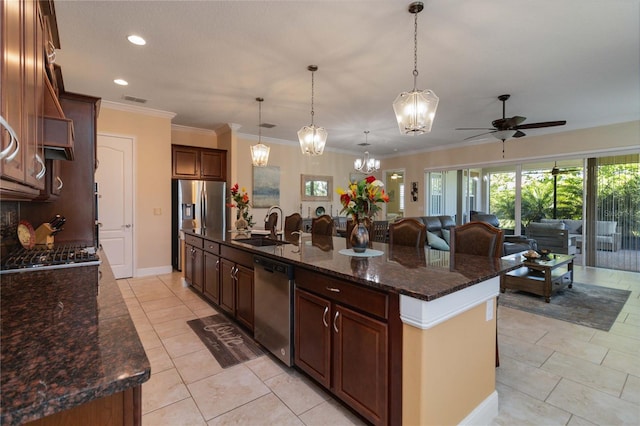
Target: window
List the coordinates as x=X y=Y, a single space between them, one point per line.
x=436 y=194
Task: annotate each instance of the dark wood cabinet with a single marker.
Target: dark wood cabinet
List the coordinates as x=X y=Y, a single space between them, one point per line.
x=190 y=162
x=211 y=282
x=22 y=168
x=313 y=336
x=76 y=200
x=342 y=341
x=194 y=262
x=236 y=291
x=244 y=296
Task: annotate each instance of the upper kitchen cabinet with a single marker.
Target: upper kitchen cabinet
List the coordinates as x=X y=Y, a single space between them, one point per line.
x=76 y=200
x=22 y=165
x=189 y=162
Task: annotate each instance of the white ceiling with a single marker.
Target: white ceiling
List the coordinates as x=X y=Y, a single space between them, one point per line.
x=207 y=61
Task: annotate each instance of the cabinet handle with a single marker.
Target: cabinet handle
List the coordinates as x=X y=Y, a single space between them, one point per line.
x=51 y=52
x=335 y=318
x=218 y=265
x=324 y=316
x=333 y=289
x=60 y=183
x=43 y=168
x=6 y=153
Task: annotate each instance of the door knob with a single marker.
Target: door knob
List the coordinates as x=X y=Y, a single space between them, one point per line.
x=128 y=225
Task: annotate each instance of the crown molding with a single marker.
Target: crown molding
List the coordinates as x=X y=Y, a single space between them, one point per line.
x=188 y=129
x=137 y=109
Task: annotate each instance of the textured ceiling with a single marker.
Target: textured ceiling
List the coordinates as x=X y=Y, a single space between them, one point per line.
x=207 y=61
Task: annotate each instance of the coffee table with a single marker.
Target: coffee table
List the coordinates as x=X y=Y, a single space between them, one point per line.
x=541 y=276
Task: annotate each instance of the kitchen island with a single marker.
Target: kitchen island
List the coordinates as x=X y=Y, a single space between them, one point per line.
x=70 y=351
x=404 y=337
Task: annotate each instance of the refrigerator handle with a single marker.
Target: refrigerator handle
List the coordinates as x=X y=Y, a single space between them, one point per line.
x=203 y=209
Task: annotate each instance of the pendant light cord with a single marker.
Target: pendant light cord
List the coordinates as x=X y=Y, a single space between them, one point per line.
x=312 y=87
x=415 y=51
x=259 y=121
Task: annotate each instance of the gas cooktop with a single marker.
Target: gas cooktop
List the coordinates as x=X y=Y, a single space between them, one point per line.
x=62 y=256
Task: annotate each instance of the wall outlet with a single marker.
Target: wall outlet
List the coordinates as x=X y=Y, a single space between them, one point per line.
x=157 y=211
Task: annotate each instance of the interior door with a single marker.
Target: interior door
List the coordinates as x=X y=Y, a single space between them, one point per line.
x=114 y=177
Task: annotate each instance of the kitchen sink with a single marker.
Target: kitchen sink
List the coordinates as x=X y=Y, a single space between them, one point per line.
x=260 y=242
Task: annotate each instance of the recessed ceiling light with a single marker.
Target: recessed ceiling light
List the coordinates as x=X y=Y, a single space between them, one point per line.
x=135 y=39
x=121 y=82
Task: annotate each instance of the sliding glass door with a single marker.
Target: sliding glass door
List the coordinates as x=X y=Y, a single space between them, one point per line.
x=612 y=238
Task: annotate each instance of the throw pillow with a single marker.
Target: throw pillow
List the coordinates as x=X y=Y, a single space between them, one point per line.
x=447 y=236
x=436 y=242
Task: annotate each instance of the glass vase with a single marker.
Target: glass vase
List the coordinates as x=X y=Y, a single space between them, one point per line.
x=241 y=223
x=359 y=237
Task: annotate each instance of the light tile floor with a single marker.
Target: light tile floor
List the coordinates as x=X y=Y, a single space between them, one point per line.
x=551 y=372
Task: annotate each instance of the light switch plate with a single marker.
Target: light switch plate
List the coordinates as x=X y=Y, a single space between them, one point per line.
x=489 y=314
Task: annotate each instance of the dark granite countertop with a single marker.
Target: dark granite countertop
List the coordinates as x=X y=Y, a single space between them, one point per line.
x=423 y=273
x=61 y=345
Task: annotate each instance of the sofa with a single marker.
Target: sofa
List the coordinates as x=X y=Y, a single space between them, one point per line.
x=552 y=236
x=438 y=233
x=607 y=237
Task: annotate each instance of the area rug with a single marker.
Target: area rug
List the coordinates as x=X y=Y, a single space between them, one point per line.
x=226 y=342
x=589 y=305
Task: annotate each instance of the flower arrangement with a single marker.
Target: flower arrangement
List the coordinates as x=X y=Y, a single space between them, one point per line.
x=240 y=200
x=360 y=199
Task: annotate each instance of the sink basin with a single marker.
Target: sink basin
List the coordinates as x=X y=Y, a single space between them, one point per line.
x=260 y=242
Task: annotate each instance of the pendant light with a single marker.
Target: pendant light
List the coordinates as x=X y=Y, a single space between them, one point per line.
x=312 y=138
x=415 y=110
x=366 y=164
x=260 y=152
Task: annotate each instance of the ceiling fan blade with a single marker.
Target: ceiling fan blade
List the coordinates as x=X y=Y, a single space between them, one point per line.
x=519 y=134
x=481 y=134
x=500 y=123
x=473 y=128
x=540 y=125
x=514 y=121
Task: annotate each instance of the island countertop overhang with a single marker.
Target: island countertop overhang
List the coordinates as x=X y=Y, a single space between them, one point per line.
x=421 y=273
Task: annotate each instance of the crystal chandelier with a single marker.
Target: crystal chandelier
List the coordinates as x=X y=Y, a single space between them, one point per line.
x=366 y=164
x=415 y=110
x=260 y=152
x=312 y=138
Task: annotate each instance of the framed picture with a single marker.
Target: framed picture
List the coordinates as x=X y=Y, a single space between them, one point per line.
x=266 y=186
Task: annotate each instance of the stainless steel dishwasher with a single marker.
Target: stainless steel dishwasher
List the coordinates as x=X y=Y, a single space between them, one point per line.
x=273 y=307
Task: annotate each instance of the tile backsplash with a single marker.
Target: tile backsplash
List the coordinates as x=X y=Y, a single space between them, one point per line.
x=9 y=218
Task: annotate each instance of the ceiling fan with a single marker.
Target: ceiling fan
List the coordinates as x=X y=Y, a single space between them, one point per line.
x=505 y=128
x=555 y=171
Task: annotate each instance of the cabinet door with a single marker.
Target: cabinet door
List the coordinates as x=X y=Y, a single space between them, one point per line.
x=213 y=165
x=211 y=277
x=33 y=102
x=313 y=336
x=198 y=269
x=244 y=296
x=360 y=363
x=185 y=162
x=12 y=83
x=227 y=286
x=188 y=264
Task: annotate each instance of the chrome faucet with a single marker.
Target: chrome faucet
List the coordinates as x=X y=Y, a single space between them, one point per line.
x=274 y=230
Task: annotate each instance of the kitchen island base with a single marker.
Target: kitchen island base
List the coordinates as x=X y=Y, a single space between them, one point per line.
x=449 y=357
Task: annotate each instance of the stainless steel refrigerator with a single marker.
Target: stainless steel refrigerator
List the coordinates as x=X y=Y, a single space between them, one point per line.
x=197 y=205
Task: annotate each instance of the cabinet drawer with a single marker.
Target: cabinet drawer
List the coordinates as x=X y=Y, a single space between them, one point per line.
x=192 y=240
x=364 y=299
x=211 y=247
x=241 y=257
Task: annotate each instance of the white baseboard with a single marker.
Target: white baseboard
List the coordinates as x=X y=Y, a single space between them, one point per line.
x=484 y=413
x=159 y=270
